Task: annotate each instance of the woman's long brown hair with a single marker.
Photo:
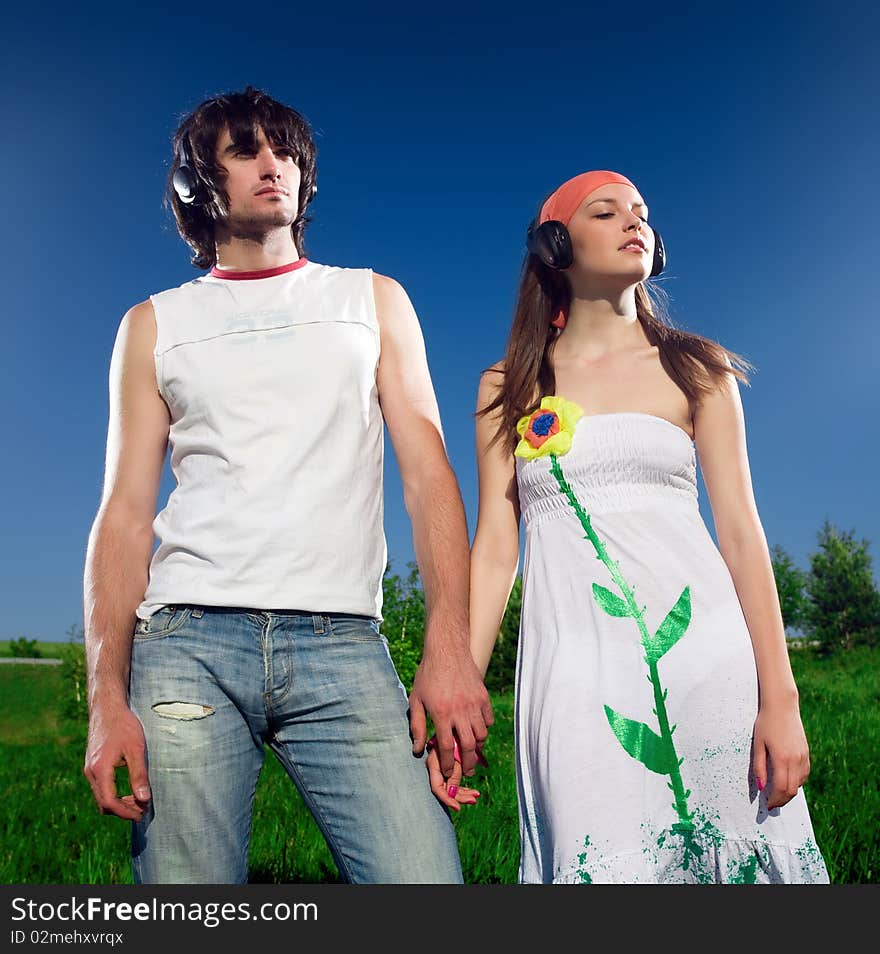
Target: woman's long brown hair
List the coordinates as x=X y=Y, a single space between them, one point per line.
x=695 y=363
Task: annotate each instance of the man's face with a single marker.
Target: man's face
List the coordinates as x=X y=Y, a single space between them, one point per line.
x=262 y=182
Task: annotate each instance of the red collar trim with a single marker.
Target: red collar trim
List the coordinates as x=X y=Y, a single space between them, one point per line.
x=237 y=276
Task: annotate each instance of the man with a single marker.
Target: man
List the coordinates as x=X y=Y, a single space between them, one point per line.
x=256 y=620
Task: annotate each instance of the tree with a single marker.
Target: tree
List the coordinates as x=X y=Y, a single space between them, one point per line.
x=843 y=606
x=403 y=621
x=74 y=703
x=791 y=582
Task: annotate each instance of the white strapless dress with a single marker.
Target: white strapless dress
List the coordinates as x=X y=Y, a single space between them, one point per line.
x=636 y=684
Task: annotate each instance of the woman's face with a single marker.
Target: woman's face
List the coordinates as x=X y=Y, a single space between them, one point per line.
x=610 y=236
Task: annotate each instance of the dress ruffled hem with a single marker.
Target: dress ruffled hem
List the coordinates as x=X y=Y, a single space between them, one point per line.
x=699 y=860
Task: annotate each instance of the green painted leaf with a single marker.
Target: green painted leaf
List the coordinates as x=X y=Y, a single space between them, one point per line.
x=613 y=605
x=671 y=629
x=642 y=743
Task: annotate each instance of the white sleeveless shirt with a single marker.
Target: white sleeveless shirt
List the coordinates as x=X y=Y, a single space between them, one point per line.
x=276 y=442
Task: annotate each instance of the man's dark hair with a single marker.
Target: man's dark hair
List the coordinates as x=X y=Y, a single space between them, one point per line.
x=243 y=114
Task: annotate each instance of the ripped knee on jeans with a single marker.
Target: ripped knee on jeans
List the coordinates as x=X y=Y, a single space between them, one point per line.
x=182 y=710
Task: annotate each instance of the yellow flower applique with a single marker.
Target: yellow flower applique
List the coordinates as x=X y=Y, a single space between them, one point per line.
x=548 y=430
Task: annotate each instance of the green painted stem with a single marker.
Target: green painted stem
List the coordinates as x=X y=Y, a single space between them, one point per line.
x=685 y=822
x=685 y=819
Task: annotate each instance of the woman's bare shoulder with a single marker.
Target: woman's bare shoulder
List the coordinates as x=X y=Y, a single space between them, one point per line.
x=491 y=382
x=492 y=378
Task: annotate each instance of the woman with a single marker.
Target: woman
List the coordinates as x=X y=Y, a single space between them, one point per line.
x=657 y=724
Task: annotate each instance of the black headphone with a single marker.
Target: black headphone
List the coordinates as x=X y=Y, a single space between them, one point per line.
x=551 y=242
x=189 y=185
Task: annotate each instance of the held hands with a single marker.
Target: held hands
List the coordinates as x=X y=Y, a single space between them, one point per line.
x=449 y=790
x=448 y=686
x=116 y=738
x=779 y=736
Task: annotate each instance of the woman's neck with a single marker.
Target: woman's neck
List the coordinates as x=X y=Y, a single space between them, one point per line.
x=596 y=326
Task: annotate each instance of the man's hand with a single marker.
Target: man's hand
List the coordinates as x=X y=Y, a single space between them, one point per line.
x=448 y=687
x=116 y=738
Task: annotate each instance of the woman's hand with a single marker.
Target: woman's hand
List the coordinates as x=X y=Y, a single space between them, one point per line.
x=449 y=790
x=779 y=737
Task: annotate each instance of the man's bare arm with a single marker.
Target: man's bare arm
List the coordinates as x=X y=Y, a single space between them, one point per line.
x=117 y=562
x=447 y=683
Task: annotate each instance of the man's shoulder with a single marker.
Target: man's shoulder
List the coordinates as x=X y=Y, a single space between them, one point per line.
x=193 y=285
x=319 y=268
x=314 y=263
x=391 y=298
x=385 y=284
x=139 y=320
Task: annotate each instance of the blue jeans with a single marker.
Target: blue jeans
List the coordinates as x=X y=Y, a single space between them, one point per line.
x=213 y=685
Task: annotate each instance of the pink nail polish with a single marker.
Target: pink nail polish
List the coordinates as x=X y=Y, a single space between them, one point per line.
x=760 y=784
x=453 y=791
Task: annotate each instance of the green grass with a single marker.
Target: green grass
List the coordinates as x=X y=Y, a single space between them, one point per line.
x=840 y=708
x=51 y=830
x=29 y=710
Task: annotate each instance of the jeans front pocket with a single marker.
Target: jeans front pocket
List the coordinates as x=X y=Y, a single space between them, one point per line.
x=350 y=626
x=162 y=623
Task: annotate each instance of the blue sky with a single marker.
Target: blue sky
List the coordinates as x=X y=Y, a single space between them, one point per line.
x=752 y=134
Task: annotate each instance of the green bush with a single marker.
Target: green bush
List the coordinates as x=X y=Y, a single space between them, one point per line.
x=24 y=648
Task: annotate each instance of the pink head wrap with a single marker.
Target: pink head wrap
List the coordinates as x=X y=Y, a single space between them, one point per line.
x=563 y=203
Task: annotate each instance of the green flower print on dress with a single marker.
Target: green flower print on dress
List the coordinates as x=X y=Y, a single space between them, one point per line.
x=656 y=751
x=556 y=419
x=692 y=843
